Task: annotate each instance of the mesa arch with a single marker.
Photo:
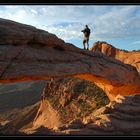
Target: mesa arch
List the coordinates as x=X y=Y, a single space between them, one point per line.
x=28 y=53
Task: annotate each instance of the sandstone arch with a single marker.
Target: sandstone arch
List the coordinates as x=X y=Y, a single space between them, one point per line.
x=27 y=53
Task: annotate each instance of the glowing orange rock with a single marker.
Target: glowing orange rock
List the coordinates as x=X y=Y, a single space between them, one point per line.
x=27 y=53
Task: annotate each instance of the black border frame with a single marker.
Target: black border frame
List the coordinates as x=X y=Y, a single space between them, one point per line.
x=69 y=2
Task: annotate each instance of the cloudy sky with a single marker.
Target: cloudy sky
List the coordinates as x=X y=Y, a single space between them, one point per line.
x=117 y=25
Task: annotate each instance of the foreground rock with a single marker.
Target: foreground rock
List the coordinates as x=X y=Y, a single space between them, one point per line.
x=27 y=53
x=8 y=129
x=119 y=117
x=40 y=131
x=67 y=100
x=19 y=102
x=127 y=57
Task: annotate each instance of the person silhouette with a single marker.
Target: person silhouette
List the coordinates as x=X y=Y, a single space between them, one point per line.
x=86 y=32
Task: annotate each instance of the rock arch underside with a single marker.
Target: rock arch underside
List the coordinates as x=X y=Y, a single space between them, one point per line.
x=28 y=53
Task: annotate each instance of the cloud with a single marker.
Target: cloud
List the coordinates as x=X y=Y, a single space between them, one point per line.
x=17 y=13
x=67 y=21
x=65 y=31
x=34 y=12
x=135 y=42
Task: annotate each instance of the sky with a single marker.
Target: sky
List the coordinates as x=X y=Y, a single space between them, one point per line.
x=118 y=25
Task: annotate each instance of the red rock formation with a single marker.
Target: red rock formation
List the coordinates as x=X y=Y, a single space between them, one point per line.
x=47 y=116
x=66 y=100
x=119 y=117
x=127 y=57
x=27 y=53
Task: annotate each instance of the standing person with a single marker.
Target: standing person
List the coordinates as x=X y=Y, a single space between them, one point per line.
x=86 y=32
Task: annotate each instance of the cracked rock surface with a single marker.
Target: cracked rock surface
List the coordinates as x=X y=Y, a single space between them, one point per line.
x=28 y=53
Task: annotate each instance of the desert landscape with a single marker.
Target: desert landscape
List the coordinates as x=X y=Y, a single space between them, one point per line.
x=51 y=87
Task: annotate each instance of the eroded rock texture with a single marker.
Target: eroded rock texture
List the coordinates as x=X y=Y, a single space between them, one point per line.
x=127 y=57
x=119 y=117
x=27 y=53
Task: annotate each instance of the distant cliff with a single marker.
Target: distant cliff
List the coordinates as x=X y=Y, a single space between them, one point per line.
x=127 y=57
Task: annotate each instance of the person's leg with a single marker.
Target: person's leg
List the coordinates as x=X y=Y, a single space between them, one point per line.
x=84 y=41
x=87 y=44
